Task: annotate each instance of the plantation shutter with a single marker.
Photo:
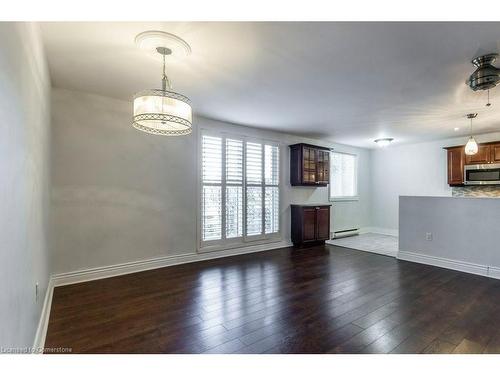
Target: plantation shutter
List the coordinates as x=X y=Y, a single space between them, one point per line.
x=271 y=201
x=240 y=190
x=234 y=188
x=254 y=192
x=212 y=188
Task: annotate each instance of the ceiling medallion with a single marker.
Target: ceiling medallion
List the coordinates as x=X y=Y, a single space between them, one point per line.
x=162 y=111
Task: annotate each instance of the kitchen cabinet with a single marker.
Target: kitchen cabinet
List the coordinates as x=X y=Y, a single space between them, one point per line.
x=309 y=165
x=495 y=153
x=487 y=153
x=456 y=159
x=310 y=224
x=483 y=155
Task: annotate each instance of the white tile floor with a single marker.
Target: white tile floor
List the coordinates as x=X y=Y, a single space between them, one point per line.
x=372 y=242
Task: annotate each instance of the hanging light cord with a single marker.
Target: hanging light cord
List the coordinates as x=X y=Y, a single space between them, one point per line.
x=471 y=116
x=488 y=104
x=165 y=82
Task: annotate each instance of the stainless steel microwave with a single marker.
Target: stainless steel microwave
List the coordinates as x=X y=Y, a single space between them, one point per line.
x=482 y=174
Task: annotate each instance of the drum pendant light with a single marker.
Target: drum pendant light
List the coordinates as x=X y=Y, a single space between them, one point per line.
x=162 y=111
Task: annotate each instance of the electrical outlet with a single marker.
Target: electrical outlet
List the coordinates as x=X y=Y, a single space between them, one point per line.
x=36 y=292
x=428 y=236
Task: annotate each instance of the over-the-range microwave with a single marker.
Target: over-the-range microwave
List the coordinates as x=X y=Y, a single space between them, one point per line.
x=482 y=174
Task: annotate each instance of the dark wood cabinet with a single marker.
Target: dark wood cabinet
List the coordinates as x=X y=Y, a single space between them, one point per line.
x=487 y=153
x=310 y=224
x=323 y=167
x=456 y=159
x=323 y=223
x=309 y=165
x=495 y=153
x=483 y=155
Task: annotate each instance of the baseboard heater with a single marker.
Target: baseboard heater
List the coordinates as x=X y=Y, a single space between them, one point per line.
x=345 y=233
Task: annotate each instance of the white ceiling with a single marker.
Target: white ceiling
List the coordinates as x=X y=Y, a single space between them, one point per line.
x=348 y=82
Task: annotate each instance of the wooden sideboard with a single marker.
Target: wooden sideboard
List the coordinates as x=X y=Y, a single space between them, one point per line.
x=310 y=224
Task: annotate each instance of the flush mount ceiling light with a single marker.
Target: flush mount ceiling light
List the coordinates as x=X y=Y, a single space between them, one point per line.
x=383 y=142
x=471 y=146
x=162 y=111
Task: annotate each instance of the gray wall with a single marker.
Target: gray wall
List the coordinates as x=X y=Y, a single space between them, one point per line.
x=463 y=229
x=120 y=195
x=24 y=191
x=415 y=169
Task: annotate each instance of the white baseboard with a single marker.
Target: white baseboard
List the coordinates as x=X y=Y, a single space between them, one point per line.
x=148 y=264
x=43 y=323
x=378 y=230
x=132 y=267
x=477 y=269
x=494 y=272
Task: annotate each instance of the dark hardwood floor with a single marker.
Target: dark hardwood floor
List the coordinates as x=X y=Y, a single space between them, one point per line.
x=324 y=299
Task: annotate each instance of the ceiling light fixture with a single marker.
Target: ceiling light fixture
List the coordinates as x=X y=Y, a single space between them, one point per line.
x=383 y=142
x=471 y=146
x=162 y=111
x=486 y=76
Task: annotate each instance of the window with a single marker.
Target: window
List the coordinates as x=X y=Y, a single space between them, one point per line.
x=240 y=190
x=343 y=176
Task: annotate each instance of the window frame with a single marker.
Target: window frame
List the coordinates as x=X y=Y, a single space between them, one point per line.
x=344 y=198
x=244 y=240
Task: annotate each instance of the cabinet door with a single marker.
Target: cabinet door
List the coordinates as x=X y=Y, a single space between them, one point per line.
x=323 y=166
x=482 y=157
x=456 y=165
x=309 y=223
x=495 y=153
x=323 y=223
x=309 y=165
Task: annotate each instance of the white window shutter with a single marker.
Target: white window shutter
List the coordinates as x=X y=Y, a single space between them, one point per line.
x=211 y=159
x=271 y=196
x=240 y=189
x=271 y=166
x=254 y=210
x=212 y=215
x=272 y=209
x=212 y=193
x=254 y=163
x=234 y=188
x=234 y=161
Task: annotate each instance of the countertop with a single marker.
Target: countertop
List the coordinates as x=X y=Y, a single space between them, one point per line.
x=444 y=196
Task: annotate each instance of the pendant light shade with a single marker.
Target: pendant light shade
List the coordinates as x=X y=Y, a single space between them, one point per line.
x=162 y=112
x=471 y=147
